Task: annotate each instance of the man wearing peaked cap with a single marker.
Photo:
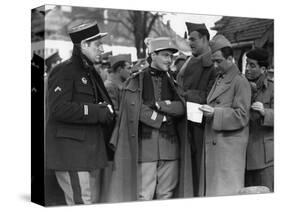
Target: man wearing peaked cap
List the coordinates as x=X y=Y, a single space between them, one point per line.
x=80 y=119
x=196 y=78
x=260 y=157
x=150 y=136
x=118 y=74
x=226 y=129
x=161 y=43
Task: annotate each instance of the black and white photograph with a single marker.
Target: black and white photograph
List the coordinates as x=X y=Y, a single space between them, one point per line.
x=147 y=107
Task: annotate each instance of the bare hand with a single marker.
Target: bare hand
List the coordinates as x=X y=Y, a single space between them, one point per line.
x=208 y=111
x=258 y=106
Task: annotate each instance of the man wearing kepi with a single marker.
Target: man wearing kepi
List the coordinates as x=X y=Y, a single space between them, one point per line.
x=152 y=153
x=80 y=111
x=226 y=130
x=260 y=148
x=117 y=75
x=196 y=78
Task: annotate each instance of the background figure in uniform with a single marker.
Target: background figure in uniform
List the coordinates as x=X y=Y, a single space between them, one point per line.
x=226 y=130
x=80 y=115
x=118 y=73
x=37 y=120
x=196 y=78
x=152 y=154
x=260 y=147
x=177 y=64
x=53 y=193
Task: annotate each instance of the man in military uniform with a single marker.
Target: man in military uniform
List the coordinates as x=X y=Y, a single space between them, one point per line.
x=226 y=130
x=260 y=148
x=118 y=74
x=80 y=112
x=37 y=118
x=196 y=78
x=152 y=153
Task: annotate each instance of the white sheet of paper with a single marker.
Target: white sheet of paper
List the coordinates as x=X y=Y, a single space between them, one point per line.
x=193 y=112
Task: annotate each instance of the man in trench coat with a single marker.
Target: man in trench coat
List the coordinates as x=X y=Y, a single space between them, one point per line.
x=130 y=145
x=260 y=156
x=226 y=130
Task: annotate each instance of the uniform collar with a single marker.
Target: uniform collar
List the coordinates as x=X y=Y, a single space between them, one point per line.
x=205 y=59
x=81 y=59
x=155 y=72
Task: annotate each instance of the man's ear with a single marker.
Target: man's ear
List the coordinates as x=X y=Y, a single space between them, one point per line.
x=230 y=59
x=263 y=69
x=152 y=55
x=83 y=44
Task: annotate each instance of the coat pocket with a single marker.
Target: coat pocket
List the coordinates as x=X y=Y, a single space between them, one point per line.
x=85 y=89
x=268 y=149
x=71 y=133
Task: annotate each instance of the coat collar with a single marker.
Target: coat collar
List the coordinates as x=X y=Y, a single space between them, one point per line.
x=224 y=83
x=206 y=59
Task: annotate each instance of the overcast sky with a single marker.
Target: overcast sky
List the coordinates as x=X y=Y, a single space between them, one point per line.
x=178 y=20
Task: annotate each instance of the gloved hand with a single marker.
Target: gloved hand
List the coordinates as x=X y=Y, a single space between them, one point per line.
x=106 y=113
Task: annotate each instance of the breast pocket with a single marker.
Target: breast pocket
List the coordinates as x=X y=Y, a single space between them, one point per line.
x=84 y=88
x=83 y=92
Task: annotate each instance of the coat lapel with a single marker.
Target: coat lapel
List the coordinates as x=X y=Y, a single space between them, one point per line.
x=224 y=84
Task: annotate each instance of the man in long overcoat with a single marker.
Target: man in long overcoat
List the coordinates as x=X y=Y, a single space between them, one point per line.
x=79 y=119
x=226 y=130
x=196 y=78
x=260 y=156
x=143 y=155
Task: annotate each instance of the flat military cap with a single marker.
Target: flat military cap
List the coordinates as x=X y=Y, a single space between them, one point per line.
x=258 y=54
x=121 y=57
x=87 y=31
x=53 y=58
x=195 y=27
x=218 y=42
x=158 y=44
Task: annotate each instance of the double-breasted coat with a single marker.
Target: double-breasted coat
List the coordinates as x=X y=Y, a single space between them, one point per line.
x=76 y=137
x=123 y=183
x=226 y=135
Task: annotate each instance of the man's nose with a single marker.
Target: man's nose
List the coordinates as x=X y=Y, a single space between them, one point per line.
x=101 y=48
x=216 y=65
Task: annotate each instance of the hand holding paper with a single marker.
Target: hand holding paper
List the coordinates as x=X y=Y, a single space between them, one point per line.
x=193 y=112
x=208 y=111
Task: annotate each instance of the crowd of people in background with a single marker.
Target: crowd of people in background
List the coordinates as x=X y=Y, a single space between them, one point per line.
x=118 y=130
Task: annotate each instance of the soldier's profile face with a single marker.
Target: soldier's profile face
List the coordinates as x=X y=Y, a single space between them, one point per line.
x=196 y=43
x=125 y=72
x=93 y=50
x=162 y=60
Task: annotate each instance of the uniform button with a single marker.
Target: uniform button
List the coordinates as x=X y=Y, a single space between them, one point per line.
x=218 y=101
x=132 y=103
x=131 y=120
x=133 y=135
x=214 y=143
